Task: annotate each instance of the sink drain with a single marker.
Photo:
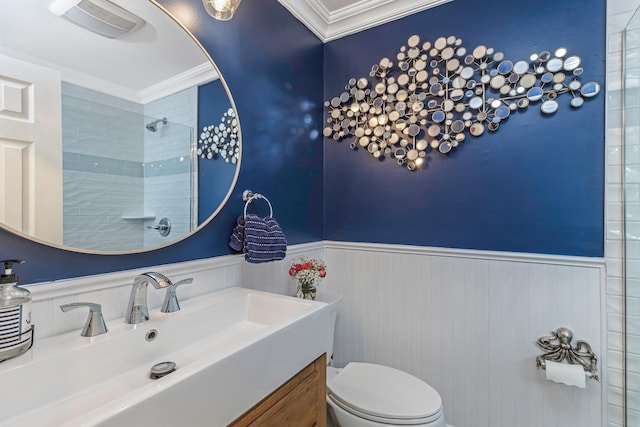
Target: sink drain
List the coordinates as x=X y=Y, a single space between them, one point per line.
x=161 y=369
x=151 y=335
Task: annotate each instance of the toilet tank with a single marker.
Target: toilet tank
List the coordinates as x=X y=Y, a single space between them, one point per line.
x=332 y=300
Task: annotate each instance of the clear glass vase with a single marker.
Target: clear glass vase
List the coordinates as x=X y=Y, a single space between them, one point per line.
x=306 y=289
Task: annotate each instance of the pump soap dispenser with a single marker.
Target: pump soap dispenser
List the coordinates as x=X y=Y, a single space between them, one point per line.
x=16 y=330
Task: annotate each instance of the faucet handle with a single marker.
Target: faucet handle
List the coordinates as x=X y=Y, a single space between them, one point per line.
x=95 y=322
x=170 y=303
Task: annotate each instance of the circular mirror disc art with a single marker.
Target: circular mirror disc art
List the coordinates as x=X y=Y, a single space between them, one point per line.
x=439 y=92
x=221 y=140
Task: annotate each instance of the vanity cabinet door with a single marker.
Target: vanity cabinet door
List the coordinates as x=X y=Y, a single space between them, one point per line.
x=300 y=402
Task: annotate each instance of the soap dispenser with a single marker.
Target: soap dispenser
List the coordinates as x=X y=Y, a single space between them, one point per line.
x=16 y=330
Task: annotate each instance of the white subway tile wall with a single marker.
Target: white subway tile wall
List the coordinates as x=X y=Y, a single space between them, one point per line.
x=102 y=174
x=619 y=12
x=168 y=151
x=116 y=171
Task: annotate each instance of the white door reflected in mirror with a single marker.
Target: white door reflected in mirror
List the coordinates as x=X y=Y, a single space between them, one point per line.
x=30 y=150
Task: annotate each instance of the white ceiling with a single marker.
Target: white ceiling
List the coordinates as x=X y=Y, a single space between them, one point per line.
x=140 y=66
x=160 y=57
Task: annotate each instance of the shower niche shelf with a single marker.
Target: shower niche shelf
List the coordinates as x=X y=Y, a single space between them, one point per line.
x=143 y=217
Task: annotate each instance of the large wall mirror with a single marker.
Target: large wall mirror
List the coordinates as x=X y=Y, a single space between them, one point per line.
x=102 y=106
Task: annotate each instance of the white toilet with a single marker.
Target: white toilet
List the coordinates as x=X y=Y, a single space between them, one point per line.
x=367 y=395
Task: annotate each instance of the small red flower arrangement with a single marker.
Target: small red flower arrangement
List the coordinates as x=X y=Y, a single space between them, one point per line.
x=307 y=272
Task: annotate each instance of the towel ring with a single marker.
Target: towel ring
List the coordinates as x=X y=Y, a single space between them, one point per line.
x=249 y=196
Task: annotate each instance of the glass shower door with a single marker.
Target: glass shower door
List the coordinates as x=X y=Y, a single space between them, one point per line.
x=631 y=126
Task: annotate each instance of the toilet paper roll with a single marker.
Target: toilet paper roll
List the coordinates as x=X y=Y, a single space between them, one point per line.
x=565 y=373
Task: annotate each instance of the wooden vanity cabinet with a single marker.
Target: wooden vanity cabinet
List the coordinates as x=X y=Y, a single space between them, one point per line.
x=300 y=402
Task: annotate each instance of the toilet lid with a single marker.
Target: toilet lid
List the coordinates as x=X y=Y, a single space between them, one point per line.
x=384 y=392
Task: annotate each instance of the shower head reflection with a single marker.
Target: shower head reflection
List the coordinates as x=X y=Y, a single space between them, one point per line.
x=153 y=126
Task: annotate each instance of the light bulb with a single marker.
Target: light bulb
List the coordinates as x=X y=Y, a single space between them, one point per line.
x=222 y=10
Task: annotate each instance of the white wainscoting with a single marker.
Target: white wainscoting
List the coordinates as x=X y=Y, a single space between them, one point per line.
x=467 y=321
x=111 y=290
x=464 y=321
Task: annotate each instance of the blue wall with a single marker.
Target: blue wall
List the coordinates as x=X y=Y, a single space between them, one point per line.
x=273 y=67
x=535 y=185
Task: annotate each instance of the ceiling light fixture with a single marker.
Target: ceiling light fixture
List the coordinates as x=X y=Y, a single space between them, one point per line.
x=222 y=10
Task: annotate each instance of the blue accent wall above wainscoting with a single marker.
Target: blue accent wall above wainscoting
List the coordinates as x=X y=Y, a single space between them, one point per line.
x=273 y=66
x=535 y=185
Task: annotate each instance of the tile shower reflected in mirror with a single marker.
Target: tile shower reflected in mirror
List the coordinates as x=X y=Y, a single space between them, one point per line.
x=632 y=217
x=125 y=167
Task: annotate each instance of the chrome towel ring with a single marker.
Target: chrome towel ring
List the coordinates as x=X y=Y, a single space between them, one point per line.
x=249 y=196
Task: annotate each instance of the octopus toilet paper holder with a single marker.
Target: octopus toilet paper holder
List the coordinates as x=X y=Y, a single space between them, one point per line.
x=558 y=348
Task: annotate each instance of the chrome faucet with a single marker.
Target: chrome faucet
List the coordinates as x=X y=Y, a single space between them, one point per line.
x=137 y=309
x=170 y=303
x=95 y=322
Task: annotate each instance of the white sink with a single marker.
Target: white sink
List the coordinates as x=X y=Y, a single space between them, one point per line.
x=231 y=348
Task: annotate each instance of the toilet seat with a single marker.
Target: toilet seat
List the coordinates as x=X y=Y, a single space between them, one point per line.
x=388 y=421
x=384 y=395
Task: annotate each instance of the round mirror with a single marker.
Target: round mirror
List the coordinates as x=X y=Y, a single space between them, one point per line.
x=475 y=103
x=100 y=126
x=549 y=106
x=534 y=94
x=590 y=89
x=521 y=67
x=577 y=102
x=444 y=148
x=476 y=129
x=527 y=80
x=561 y=52
x=571 y=63
x=554 y=65
x=505 y=67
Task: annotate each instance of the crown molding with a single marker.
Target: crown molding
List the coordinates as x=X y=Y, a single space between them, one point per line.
x=193 y=77
x=197 y=75
x=364 y=14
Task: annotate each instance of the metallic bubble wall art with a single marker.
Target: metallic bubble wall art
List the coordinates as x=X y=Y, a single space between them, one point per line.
x=220 y=140
x=438 y=94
